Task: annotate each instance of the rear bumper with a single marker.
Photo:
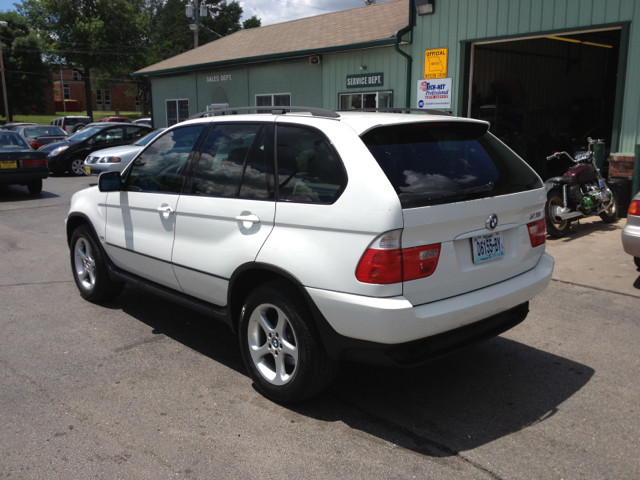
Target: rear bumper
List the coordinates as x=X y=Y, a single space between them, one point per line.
x=631 y=238
x=385 y=324
x=23 y=175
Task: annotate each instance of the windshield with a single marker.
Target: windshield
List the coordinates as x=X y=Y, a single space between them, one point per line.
x=33 y=132
x=84 y=134
x=432 y=163
x=147 y=138
x=12 y=140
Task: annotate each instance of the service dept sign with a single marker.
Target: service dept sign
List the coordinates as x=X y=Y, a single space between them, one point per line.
x=434 y=93
x=365 y=80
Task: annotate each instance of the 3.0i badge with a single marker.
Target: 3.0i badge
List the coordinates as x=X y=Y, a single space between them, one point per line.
x=492 y=221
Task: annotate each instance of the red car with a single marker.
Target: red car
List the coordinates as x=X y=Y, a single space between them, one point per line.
x=114 y=119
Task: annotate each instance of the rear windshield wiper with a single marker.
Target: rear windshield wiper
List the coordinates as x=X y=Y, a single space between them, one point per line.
x=467 y=191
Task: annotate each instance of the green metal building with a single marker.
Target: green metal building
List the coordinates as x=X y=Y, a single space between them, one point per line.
x=545 y=73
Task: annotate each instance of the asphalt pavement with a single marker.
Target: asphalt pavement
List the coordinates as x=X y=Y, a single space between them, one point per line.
x=141 y=388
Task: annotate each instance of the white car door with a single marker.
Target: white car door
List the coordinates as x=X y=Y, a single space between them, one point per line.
x=229 y=211
x=141 y=218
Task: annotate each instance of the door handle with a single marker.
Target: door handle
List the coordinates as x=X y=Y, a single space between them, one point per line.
x=165 y=210
x=248 y=220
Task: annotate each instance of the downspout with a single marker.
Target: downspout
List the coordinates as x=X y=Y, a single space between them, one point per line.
x=398 y=35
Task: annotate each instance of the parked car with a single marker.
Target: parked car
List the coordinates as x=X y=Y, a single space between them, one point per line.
x=69 y=155
x=380 y=237
x=71 y=123
x=39 y=135
x=114 y=119
x=13 y=126
x=631 y=231
x=20 y=164
x=116 y=159
x=143 y=121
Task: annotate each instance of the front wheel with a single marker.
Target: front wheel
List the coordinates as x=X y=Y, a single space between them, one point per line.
x=557 y=228
x=76 y=167
x=280 y=346
x=610 y=215
x=90 y=268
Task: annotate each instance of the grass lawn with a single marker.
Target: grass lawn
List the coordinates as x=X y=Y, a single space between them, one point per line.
x=46 y=119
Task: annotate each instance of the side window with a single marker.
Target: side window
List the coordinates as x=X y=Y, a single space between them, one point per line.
x=159 y=168
x=308 y=168
x=135 y=132
x=110 y=135
x=232 y=153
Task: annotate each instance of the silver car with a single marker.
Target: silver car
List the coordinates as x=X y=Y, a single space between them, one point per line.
x=116 y=159
x=631 y=232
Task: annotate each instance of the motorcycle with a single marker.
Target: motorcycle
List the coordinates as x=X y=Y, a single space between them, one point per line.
x=579 y=192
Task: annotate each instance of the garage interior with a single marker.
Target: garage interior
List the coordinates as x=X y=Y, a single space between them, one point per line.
x=547 y=94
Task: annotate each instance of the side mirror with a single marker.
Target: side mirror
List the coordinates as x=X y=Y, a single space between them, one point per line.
x=110 y=182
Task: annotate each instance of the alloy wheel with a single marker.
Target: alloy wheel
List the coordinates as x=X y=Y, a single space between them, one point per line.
x=85 y=265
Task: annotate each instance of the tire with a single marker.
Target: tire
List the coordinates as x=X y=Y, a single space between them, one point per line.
x=636 y=260
x=90 y=269
x=610 y=215
x=35 y=186
x=281 y=347
x=76 y=167
x=556 y=229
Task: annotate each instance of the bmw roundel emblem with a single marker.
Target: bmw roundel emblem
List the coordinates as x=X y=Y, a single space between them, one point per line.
x=492 y=221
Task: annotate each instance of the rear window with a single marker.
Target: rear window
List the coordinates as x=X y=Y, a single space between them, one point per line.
x=434 y=163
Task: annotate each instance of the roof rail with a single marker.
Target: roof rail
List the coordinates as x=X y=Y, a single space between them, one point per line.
x=280 y=110
x=400 y=110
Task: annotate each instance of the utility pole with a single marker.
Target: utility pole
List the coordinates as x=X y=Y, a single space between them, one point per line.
x=195 y=11
x=7 y=116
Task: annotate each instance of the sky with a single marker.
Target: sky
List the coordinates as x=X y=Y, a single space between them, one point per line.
x=273 y=11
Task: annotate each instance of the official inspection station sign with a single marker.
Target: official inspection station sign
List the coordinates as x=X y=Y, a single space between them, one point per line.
x=435 y=63
x=365 y=80
x=434 y=93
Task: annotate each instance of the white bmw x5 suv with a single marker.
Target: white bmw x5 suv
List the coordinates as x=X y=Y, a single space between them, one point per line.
x=318 y=236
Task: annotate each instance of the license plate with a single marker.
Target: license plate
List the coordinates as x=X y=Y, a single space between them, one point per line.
x=487 y=247
x=8 y=164
x=87 y=170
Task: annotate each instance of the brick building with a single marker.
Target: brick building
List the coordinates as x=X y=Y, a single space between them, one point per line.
x=117 y=97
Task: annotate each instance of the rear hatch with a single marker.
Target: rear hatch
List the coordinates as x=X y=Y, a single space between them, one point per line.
x=456 y=181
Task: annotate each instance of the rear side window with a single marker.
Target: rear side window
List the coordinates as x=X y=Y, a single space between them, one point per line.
x=446 y=162
x=309 y=170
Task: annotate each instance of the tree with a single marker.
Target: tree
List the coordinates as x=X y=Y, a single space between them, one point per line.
x=26 y=75
x=90 y=34
x=253 y=22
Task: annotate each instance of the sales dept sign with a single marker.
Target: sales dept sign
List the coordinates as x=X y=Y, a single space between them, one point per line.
x=434 y=93
x=365 y=80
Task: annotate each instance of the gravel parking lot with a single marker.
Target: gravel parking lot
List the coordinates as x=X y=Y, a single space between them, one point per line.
x=141 y=388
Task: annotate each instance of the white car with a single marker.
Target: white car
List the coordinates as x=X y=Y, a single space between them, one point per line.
x=116 y=159
x=380 y=237
x=631 y=231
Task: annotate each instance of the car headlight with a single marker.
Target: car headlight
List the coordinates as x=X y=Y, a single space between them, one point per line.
x=56 y=151
x=110 y=160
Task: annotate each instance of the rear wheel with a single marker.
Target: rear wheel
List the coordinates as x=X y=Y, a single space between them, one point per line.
x=76 y=167
x=280 y=345
x=557 y=228
x=610 y=215
x=35 y=186
x=636 y=260
x=90 y=268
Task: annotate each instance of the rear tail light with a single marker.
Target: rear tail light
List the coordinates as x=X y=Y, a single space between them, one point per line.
x=36 y=162
x=35 y=145
x=385 y=262
x=537 y=232
x=63 y=127
x=634 y=208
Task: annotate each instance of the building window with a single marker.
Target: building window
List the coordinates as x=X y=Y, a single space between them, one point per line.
x=107 y=97
x=75 y=75
x=177 y=111
x=66 y=91
x=273 y=100
x=99 y=96
x=357 y=101
x=137 y=99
